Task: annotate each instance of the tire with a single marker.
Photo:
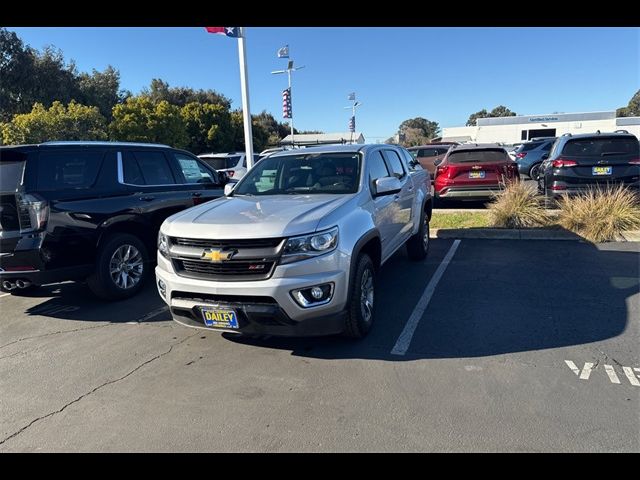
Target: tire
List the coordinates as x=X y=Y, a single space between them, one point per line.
x=418 y=244
x=106 y=284
x=357 y=325
x=534 y=171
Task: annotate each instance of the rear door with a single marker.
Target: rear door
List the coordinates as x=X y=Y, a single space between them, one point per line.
x=601 y=160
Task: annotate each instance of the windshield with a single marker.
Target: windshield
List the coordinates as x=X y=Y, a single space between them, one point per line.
x=220 y=163
x=304 y=173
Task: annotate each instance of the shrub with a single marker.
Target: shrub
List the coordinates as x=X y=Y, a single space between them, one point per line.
x=601 y=214
x=517 y=207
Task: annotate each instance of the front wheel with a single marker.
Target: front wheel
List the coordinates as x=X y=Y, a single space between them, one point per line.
x=418 y=244
x=361 y=307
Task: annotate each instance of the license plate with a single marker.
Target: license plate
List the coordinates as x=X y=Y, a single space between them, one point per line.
x=478 y=174
x=601 y=170
x=217 y=318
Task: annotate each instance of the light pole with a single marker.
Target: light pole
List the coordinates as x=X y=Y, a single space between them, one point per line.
x=352 y=126
x=288 y=71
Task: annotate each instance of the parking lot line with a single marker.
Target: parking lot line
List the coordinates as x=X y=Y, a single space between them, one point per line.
x=404 y=340
x=4 y=294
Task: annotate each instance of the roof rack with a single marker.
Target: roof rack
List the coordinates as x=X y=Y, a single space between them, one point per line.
x=111 y=144
x=621 y=131
x=566 y=135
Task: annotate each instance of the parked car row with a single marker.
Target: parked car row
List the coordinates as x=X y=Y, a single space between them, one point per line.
x=293 y=248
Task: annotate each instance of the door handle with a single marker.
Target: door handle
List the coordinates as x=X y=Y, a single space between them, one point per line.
x=147 y=198
x=196 y=194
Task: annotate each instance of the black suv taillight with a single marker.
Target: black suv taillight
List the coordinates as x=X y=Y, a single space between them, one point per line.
x=33 y=212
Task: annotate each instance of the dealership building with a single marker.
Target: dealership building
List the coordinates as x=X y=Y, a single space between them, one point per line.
x=520 y=128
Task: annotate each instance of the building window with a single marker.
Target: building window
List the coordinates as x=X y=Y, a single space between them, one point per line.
x=523 y=135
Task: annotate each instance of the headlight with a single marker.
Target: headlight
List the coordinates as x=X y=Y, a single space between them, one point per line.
x=163 y=244
x=308 y=246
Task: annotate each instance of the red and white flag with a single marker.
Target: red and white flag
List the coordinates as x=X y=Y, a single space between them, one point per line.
x=228 y=31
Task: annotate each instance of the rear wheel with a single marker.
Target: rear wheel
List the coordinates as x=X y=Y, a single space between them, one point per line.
x=534 y=171
x=120 y=267
x=418 y=244
x=361 y=306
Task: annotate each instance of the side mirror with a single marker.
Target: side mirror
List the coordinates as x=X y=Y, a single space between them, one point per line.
x=228 y=188
x=438 y=162
x=387 y=186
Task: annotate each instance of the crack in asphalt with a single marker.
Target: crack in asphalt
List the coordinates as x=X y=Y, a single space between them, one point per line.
x=611 y=358
x=15 y=434
x=55 y=333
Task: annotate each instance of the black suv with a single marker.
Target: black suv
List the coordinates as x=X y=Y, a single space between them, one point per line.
x=92 y=210
x=579 y=162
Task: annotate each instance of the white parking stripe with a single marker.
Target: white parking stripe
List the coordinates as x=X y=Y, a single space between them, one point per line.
x=404 y=340
x=628 y=371
x=613 y=376
x=4 y=294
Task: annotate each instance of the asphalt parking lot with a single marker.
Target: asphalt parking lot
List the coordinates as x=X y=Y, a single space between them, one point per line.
x=520 y=346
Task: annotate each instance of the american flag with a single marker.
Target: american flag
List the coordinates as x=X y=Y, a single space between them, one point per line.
x=352 y=124
x=286 y=103
x=228 y=31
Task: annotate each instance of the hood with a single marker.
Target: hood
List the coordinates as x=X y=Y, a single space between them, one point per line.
x=253 y=217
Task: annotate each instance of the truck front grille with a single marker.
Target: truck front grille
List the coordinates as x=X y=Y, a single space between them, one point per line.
x=227 y=271
x=227 y=244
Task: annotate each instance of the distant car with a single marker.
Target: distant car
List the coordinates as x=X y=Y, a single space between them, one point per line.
x=529 y=156
x=580 y=162
x=473 y=172
x=427 y=155
x=234 y=164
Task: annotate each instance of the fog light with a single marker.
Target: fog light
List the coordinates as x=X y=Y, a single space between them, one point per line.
x=162 y=288
x=313 y=296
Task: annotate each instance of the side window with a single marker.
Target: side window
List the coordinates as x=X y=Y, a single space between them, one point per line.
x=68 y=170
x=377 y=167
x=192 y=170
x=131 y=172
x=394 y=164
x=155 y=168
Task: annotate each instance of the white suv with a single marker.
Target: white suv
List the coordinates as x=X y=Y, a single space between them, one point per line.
x=234 y=164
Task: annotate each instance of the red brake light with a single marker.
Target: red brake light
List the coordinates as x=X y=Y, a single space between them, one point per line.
x=442 y=170
x=558 y=187
x=635 y=161
x=563 y=162
x=521 y=155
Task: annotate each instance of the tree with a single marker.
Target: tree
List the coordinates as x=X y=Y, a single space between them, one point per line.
x=160 y=90
x=260 y=133
x=499 y=111
x=74 y=122
x=208 y=127
x=102 y=90
x=417 y=131
x=632 y=109
x=141 y=120
x=16 y=66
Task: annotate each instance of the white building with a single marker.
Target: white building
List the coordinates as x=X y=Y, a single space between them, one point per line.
x=524 y=127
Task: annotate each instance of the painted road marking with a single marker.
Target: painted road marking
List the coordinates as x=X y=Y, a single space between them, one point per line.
x=404 y=340
x=628 y=371
x=586 y=370
x=613 y=376
x=4 y=295
x=632 y=374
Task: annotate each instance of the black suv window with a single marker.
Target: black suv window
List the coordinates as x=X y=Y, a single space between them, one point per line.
x=192 y=170
x=146 y=168
x=68 y=170
x=394 y=164
x=597 y=147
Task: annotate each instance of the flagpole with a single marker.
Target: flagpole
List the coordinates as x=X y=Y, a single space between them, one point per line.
x=244 y=86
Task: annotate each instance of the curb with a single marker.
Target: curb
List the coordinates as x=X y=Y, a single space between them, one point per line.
x=518 y=234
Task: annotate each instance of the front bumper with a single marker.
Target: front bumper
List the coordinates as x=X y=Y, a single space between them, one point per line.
x=263 y=306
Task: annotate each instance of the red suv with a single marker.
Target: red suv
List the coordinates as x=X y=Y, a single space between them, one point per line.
x=473 y=172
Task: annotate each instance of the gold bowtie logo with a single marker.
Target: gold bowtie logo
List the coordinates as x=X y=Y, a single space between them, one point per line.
x=216 y=256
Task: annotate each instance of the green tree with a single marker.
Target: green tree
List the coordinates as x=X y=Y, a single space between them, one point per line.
x=417 y=131
x=73 y=122
x=276 y=130
x=16 y=67
x=208 y=127
x=160 y=90
x=102 y=90
x=260 y=133
x=141 y=120
x=499 y=111
x=632 y=109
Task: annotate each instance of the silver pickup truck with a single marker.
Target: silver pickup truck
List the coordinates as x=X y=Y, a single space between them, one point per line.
x=296 y=247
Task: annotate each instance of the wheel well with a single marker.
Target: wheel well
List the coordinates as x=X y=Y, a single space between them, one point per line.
x=143 y=232
x=428 y=208
x=374 y=250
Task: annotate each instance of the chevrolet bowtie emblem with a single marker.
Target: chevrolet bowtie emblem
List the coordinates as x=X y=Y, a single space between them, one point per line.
x=217 y=256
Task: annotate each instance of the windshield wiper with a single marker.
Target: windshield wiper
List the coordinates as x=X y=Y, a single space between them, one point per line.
x=604 y=154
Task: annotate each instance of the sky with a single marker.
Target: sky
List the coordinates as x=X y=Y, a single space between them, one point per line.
x=442 y=74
